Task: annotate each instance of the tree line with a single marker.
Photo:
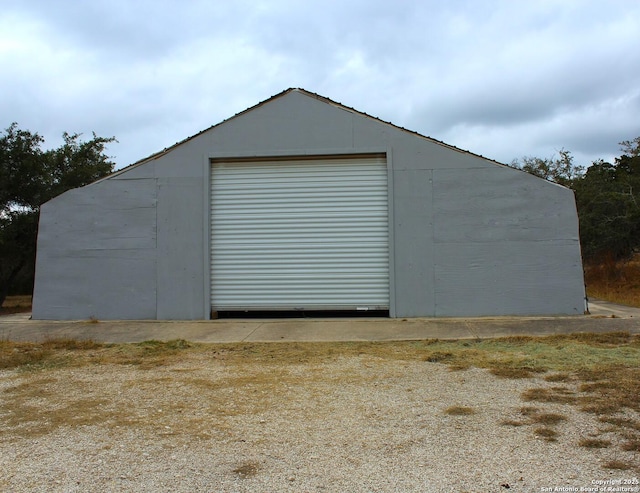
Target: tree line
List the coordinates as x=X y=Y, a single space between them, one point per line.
x=607 y=196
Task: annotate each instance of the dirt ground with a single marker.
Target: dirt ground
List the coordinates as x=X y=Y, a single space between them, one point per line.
x=356 y=421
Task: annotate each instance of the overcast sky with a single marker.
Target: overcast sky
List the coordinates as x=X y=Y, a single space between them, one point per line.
x=501 y=78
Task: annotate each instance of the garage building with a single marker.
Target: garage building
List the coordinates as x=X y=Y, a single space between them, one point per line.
x=303 y=204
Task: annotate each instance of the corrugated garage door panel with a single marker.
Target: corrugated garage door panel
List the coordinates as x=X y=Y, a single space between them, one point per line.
x=308 y=233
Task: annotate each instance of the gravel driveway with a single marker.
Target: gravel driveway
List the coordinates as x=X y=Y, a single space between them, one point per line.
x=351 y=424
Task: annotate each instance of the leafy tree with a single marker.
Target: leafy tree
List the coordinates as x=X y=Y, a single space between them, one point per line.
x=558 y=170
x=30 y=176
x=608 y=201
x=631 y=148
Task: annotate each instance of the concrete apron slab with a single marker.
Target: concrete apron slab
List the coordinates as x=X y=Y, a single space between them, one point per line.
x=20 y=328
x=122 y=331
x=421 y=329
x=607 y=309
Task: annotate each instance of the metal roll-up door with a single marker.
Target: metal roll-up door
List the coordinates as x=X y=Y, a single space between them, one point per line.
x=300 y=234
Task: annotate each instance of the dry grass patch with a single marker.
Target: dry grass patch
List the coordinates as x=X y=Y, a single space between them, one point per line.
x=529 y=410
x=617 y=465
x=440 y=357
x=549 y=434
x=34 y=408
x=632 y=445
x=515 y=372
x=60 y=353
x=594 y=443
x=533 y=416
x=513 y=357
x=558 y=395
x=459 y=411
x=48 y=354
x=611 y=389
x=16 y=304
x=512 y=422
x=618 y=282
x=548 y=419
x=620 y=422
x=247 y=470
x=559 y=377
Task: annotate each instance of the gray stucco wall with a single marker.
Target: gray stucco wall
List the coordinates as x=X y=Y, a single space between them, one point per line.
x=468 y=236
x=97 y=252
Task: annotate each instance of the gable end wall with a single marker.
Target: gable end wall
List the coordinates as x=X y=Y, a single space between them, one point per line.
x=467 y=236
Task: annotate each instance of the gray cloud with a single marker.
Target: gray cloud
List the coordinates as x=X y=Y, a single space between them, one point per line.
x=500 y=78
